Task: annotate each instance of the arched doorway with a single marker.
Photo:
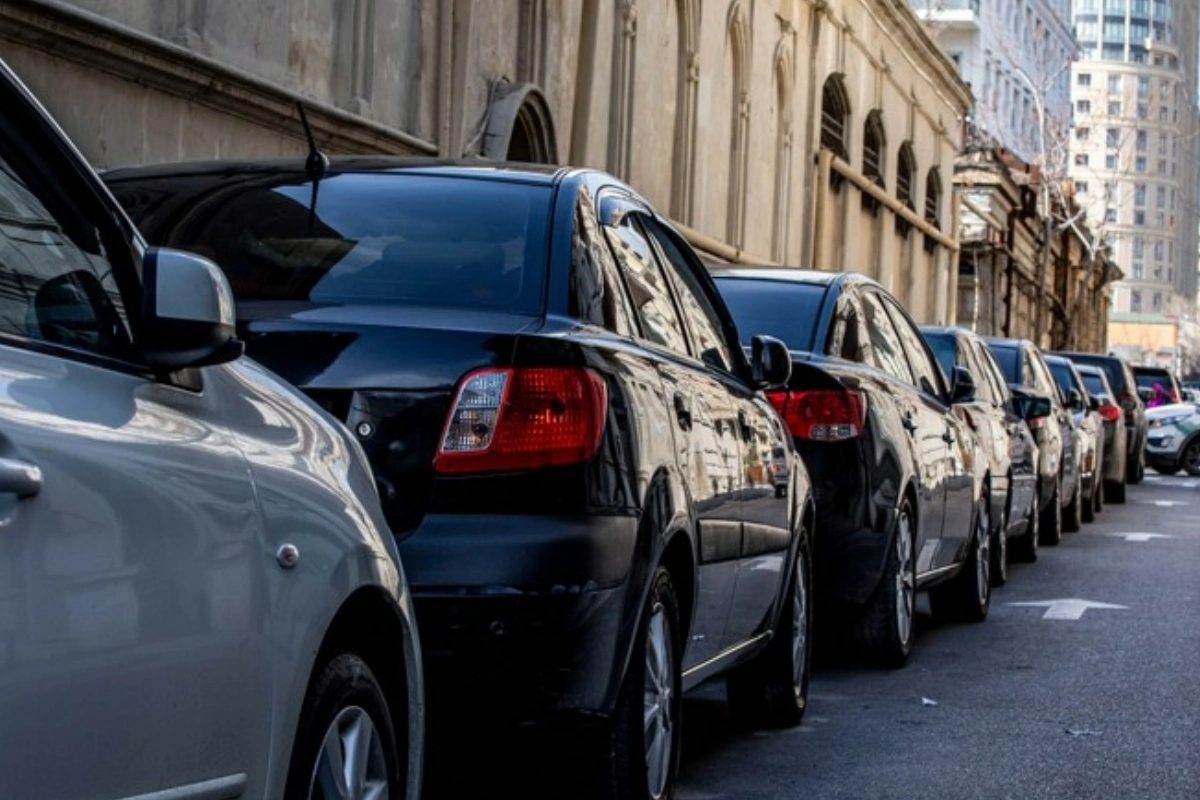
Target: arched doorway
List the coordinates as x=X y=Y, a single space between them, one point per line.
x=520 y=126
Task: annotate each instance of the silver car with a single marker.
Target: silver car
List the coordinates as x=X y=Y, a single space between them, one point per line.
x=1173 y=440
x=198 y=594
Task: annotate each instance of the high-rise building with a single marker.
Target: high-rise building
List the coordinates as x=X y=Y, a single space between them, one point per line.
x=1135 y=148
x=1016 y=55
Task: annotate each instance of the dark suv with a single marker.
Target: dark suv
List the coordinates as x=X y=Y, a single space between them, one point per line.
x=1149 y=379
x=598 y=508
x=1121 y=379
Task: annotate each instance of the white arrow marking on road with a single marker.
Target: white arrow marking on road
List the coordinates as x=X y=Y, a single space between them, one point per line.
x=1141 y=537
x=1166 y=503
x=1071 y=609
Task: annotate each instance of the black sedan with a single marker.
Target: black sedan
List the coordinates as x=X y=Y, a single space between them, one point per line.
x=902 y=490
x=1004 y=437
x=598 y=508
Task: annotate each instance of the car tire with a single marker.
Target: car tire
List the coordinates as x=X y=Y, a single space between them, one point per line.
x=1072 y=516
x=1089 y=505
x=1025 y=548
x=1190 y=459
x=1137 y=468
x=345 y=703
x=967 y=596
x=1051 y=527
x=1114 y=491
x=637 y=765
x=885 y=630
x=1166 y=469
x=1000 y=545
x=772 y=690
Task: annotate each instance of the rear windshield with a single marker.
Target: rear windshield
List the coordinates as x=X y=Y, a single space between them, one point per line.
x=783 y=309
x=1095 y=385
x=373 y=237
x=944 y=350
x=1147 y=378
x=1111 y=367
x=1008 y=358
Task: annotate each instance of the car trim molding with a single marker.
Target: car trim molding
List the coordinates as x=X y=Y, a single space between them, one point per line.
x=229 y=787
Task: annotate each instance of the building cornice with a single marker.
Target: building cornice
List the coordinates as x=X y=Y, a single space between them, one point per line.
x=907 y=24
x=64 y=31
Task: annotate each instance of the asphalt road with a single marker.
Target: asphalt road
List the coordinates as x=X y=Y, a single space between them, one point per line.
x=1019 y=706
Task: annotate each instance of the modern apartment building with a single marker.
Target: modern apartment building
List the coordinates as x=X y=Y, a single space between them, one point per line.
x=1134 y=148
x=1016 y=55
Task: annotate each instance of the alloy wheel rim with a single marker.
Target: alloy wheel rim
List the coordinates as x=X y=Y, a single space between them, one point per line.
x=799 y=628
x=657 y=701
x=905 y=582
x=351 y=763
x=983 y=564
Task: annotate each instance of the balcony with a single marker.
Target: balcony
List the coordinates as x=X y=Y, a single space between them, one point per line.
x=957 y=14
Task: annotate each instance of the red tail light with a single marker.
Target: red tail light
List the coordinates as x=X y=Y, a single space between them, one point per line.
x=525 y=418
x=1110 y=412
x=822 y=416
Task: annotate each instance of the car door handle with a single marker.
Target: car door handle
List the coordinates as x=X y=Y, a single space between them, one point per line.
x=910 y=423
x=683 y=410
x=19 y=477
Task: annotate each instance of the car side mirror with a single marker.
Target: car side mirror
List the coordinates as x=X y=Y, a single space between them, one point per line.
x=1093 y=402
x=963 y=390
x=1074 y=400
x=1036 y=407
x=188 y=315
x=770 y=362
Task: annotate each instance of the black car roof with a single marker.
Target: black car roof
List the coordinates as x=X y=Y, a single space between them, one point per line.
x=530 y=173
x=813 y=277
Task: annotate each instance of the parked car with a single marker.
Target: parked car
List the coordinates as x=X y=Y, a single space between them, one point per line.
x=1089 y=427
x=1115 y=461
x=902 y=489
x=567 y=432
x=199 y=593
x=1003 y=436
x=1120 y=378
x=1157 y=386
x=1029 y=378
x=1174 y=439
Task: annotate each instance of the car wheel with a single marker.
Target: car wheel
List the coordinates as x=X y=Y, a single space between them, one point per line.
x=885 y=631
x=967 y=596
x=1191 y=458
x=1026 y=547
x=772 y=690
x=642 y=756
x=1092 y=503
x=1000 y=546
x=1114 y=491
x=1072 y=516
x=345 y=744
x=1137 y=468
x=1050 y=533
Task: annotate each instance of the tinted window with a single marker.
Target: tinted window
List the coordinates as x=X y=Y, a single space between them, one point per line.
x=984 y=388
x=373 y=237
x=945 y=350
x=57 y=284
x=597 y=294
x=1041 y=376
x=1113 y=368
x=1147 y=378
x=697 y=310
x=647 y=285
x=846 y=337
x=1095 y=385
x=924 y=368
x=885 y=342
x=783 y=309
x=1062 y=375
x=987 y=361
x=1007 y=358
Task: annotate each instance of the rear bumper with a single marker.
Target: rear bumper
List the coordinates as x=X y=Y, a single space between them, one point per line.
x=525 y=615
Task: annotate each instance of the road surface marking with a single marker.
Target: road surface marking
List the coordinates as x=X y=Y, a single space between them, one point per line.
x=1167 y=503
x=1071 y=609
x=1141 y=537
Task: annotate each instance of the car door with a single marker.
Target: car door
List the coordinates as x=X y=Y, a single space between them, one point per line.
x=707 y=451
x=766 y=521
x=923 y=424
x=989 y=416
x=960 y=448
x=133 y=653
x=1064 y=429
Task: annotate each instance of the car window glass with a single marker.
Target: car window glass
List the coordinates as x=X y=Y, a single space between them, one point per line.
x=946 y=350
x=694 y=302
x=924 y=368
x=846 y=337
x=984 y=390
x=886 y=348
x=597 y=294
x=647 y=285
x=1008 y=359
x=1045 y=383
x=991 y=370
x=58 y=283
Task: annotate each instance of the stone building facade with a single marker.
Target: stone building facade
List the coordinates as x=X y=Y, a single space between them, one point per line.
x=801 y=132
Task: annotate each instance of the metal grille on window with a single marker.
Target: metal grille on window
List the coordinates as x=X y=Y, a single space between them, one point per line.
x=874 y=142
x=933 y=202
x=906 y=169
x=835 y=111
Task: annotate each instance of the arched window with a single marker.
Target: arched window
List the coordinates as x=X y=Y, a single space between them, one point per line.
x=835 y=114
x=906 y=175
x=874 y=147
x=933 y=203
